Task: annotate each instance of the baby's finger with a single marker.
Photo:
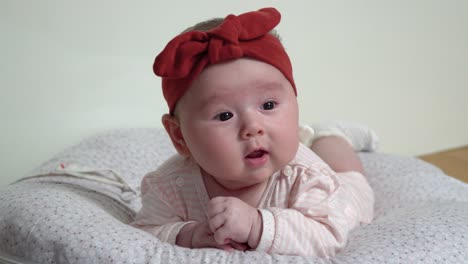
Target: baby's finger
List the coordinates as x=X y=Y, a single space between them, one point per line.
x=216 y=206
x=221 y=235
x=238 y=246
x=215 y=210
x=218 y=199
x=216 y=222
x=226 y=247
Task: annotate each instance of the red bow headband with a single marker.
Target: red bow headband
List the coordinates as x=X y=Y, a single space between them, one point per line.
x=246 y=35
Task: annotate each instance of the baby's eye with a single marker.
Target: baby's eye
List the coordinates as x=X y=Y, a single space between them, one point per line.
x=269 y=105
x=224 y=116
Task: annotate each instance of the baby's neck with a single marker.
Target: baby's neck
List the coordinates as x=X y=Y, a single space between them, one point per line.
x=250 y=195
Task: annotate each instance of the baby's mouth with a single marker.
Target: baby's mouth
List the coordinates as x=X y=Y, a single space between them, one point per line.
x=256 y=154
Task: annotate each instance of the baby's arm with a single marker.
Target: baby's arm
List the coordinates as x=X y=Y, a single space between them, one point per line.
x=160 y=218
x=157 y=216
x=321 y=212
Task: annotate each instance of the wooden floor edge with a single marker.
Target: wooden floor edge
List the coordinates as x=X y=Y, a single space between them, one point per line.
x=442 y=151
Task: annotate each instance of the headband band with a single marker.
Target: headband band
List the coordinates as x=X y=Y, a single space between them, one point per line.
x=246 y=35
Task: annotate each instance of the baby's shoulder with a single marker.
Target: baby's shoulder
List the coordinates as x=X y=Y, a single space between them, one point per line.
x=173 y=170
x=306 y=162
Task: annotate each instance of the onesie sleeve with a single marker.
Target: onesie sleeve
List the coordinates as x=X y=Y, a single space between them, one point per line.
x=322 y=208
x=158 y=216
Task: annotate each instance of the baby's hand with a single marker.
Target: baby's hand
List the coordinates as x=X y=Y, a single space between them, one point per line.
x=202 y=237
x=232 y=220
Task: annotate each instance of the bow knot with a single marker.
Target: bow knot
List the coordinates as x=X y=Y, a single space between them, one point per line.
x=229 y=30
x=219 y=51
x=224 y=41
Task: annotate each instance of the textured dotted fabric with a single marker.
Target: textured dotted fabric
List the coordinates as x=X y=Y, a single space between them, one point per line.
x=421 y=214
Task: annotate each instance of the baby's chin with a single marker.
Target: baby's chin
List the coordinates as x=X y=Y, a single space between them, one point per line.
x=248 y=181
x=241 y=187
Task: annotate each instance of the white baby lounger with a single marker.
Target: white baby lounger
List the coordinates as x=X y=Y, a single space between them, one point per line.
x=77 y=207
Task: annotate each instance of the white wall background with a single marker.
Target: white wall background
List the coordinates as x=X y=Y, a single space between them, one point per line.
x=69 y=69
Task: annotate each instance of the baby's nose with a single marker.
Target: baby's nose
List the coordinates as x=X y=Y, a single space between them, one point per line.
x=253 y=129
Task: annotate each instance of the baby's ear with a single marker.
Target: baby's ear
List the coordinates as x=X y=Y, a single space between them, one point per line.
x=172 y=126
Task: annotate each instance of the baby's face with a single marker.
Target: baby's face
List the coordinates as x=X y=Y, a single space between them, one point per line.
x=239 y=121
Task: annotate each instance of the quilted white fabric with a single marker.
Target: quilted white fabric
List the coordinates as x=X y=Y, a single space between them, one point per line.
x=421 y=214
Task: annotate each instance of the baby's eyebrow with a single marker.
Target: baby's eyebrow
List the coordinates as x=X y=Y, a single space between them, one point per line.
x=271 y=86
x=221 y=96
x=212 y=98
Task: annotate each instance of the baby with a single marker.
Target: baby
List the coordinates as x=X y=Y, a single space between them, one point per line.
x=241 y=179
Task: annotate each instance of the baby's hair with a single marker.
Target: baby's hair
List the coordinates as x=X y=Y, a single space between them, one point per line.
x=214 y=22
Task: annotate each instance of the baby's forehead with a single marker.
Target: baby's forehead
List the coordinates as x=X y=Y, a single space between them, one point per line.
x=239 y=70
x=233 y=95
x=261 y=88
x=225 y=81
